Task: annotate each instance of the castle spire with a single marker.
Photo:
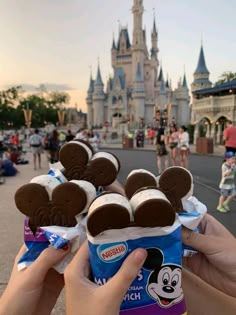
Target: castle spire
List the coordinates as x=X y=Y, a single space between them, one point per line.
x=99 y=78
x=201 y=66
x=138 y=10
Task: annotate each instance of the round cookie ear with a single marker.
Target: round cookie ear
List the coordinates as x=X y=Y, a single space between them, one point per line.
x=176 y=182
x=29 y=197
x=102 y=169
x=151 y=208
x=74 y=156
x=108 y=211
x=138 y=179
x=70 y=199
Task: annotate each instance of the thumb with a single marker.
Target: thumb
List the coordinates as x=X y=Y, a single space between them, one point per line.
x=206 y=244
x=47 y=259
x=129 y=270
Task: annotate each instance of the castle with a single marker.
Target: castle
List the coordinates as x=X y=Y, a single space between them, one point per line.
x=137 y=89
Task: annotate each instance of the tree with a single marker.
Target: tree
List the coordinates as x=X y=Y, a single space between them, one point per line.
x=226 y=76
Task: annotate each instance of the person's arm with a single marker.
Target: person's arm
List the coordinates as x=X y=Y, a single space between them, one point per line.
x=226 y=134
x=34 y=290
x=201 y=298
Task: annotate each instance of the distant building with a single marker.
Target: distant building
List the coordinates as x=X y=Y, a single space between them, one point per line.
x=75 y=117
x=211 y=106
x=137 y=87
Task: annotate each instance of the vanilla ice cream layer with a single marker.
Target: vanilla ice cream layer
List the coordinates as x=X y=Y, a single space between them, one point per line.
x=88 y=150
x=47 y=181
x=108 y=156
x=108 y=199
x=141 y=171
x=89 y=189
x=145 y=195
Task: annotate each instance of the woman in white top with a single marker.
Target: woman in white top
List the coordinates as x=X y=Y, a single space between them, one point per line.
x=183 y=146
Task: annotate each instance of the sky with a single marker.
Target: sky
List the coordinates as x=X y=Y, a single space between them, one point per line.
x=57 y=42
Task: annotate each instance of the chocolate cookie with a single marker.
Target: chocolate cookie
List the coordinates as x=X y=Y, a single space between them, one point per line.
x=176 y=183
x=102 y=169
x=151 y=208
x=68 y=200
x=108 y=211
x=74 y=157
x=138 y=179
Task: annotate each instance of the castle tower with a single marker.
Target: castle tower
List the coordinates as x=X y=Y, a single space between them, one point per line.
x=139 y=94
x=201 y=74
x=98 y=100
x=182 y=97
x=139 y=45
x=89 y=101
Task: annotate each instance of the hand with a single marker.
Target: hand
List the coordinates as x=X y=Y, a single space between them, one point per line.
x=86 y=297
x=33 y=290
x=216 y=261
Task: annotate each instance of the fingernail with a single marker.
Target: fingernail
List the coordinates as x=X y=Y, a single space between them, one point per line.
x=65 y=248
x=140 y=255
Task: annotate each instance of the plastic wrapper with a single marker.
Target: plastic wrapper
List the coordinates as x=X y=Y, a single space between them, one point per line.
x=157 y=288
x=55 y=236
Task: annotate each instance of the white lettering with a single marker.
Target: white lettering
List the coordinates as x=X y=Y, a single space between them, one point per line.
x=132 y=297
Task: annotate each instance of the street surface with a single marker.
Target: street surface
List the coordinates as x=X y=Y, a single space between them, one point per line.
x=205 y=169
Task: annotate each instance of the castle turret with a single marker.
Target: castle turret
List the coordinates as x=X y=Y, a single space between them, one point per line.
x=98 y=100
x=139 y=45
x=201 y=74
x=89 y=101
x=113 y=53
x=139 y=94
x=154 y=49
x=183 y=98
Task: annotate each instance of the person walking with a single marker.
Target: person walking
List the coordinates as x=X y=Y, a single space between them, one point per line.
x=35 y=142
x=230 y=137
x=69 y=136
x=183 y=146
x=54 y=146
x=161 y=149
x=173 y=139
x=227 y=185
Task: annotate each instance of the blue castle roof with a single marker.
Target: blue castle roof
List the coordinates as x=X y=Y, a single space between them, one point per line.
x=201 y=66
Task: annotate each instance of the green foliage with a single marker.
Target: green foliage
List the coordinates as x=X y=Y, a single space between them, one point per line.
x=226 y=76
x=44 y=106
x=191 y=133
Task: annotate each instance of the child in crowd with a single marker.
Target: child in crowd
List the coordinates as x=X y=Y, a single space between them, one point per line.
x=227 y=185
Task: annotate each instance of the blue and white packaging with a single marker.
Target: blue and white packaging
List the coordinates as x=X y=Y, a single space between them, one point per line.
x=55 y=236
x=157 y=289
x=195 y=210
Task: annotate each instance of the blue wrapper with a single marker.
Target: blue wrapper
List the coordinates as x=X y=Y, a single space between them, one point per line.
x=157 y=289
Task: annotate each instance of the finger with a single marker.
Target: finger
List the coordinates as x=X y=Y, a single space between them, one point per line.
x=206 y=244
x=20 y=253
x=79 y=266
x=119 y=284
x=209 y=225
x=46 y=260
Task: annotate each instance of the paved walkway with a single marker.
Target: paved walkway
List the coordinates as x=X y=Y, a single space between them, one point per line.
x=218 y=150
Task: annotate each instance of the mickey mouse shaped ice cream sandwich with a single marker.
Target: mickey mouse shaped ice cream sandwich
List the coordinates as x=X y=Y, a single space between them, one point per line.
x=48 y=203
x=77 y=158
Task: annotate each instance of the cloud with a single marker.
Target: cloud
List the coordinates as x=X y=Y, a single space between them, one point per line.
x=48 y=86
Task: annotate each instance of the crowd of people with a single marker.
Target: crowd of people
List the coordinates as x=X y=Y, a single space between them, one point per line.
x=174 y=142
